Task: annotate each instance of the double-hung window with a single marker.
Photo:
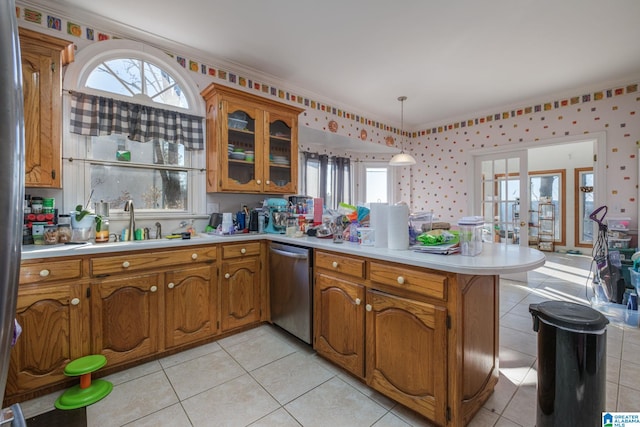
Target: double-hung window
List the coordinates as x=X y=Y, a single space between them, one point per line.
x=135 y=131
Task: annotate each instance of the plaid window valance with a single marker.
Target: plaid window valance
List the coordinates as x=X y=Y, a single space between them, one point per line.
x=95 y=115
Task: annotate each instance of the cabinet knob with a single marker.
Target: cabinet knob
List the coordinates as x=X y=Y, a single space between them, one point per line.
x=258 y=182
x=126 y=264
x=368 y=307
x=44 y=273
x=243 y=251
x=335 y=264
x=226 y=276
x=267 y=182
x=194 y=256
x=401 y=280
x=358 y=301
x=75 y=301
x=153 y=288
x=171 y=285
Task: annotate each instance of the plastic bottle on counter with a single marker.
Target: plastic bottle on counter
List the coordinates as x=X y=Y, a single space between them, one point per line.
x=261 y=222
x=353 y=231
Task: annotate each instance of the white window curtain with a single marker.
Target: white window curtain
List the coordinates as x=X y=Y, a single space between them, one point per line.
x=328 y=177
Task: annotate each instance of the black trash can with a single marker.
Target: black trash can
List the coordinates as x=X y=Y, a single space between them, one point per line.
x=572 y=353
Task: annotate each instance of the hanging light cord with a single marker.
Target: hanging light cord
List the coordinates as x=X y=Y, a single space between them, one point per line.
x=402 y=99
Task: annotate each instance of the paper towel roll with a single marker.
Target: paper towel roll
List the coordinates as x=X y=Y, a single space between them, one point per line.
x=378 y=221
x=398 y=227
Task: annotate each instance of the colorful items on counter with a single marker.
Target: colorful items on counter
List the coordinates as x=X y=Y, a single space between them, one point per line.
x=39 y=213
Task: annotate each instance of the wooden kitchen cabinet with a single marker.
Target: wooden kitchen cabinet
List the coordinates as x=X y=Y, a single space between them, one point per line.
x=430 y=337
x=146 y=302
x=43 y=57
x=240 y=285
x=406 y=351
x=238 y=120
x=53 y=311
x=125 y=317
x=54 y=321
x=338 y=321
x=191 y=305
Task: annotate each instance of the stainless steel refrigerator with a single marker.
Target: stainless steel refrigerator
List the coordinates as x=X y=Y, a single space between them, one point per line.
x=11 y=187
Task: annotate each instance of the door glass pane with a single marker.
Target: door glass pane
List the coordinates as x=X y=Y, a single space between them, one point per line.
x=585 y=206
x=241 y=143
x=280 y=153
x=500 y=199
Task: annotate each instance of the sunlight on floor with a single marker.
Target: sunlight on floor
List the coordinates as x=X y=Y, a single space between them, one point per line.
x=575 y=275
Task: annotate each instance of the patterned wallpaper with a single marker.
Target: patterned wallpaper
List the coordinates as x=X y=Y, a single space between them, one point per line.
x=438 y=180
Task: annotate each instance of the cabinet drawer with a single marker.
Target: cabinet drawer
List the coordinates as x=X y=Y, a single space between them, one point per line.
x=241 y=249
x=43 y=272
x=144 y=261
x=340 y=264
x=416 y=280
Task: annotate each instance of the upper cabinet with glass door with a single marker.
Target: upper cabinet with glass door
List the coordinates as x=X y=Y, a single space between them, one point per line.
x=252 y=143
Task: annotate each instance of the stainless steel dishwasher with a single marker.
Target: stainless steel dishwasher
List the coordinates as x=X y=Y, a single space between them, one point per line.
x=290 y=279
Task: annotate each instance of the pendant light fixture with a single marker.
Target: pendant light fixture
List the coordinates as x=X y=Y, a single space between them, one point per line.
x=402 y=158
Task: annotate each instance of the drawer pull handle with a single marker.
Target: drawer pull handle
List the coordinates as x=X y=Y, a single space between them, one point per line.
x=75 y=301
x=153 y=288
x=194 y=256
x=171 y=285
x=126 y=264
x=243 y=251
x=226 y=276
x=44 y=273
x=258 y=182
x=401 y=280
x=368 y=307
x=358 y=301
x=335 y=264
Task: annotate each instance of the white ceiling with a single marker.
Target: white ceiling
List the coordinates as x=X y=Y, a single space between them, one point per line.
x=450 y=58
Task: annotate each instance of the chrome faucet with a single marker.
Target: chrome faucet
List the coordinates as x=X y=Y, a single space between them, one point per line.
x=128 y=207
x=158 y=231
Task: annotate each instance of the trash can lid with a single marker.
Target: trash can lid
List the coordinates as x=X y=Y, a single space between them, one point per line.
x=569 y=316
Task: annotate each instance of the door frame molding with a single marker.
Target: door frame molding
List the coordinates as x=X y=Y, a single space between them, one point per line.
x=599 y=165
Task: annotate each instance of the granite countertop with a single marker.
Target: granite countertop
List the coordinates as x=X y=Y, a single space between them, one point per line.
x=494 y=258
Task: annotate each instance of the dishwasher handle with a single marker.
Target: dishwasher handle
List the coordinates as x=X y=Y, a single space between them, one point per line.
x=289 y=254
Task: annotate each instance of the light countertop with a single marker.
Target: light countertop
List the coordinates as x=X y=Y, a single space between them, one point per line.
x=494 y=258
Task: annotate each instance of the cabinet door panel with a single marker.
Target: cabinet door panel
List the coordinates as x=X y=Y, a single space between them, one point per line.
x=281 y=167
x=42 y=60
x=125 y=317
x=52 y=328
x=240 y=293
x=237 y=173
x=190 y=305
x=406 y=353
x=339 y=322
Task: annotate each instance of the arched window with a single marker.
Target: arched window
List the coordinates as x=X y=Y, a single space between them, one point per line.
x=139 y=79
x=140 y=118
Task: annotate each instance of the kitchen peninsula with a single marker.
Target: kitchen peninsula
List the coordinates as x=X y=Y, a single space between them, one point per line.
x=420 y=328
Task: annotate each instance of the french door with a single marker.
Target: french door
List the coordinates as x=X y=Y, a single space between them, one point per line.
x=501 y=196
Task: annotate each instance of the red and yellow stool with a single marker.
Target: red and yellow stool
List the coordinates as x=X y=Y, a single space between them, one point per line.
x=87 y=392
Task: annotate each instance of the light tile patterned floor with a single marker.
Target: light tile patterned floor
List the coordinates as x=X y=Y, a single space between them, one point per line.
x=263 y=377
